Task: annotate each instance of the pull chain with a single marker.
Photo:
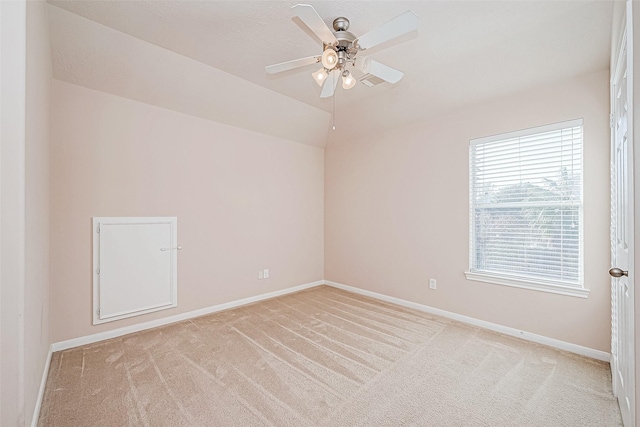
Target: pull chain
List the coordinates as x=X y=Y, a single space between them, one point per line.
x=333 y=115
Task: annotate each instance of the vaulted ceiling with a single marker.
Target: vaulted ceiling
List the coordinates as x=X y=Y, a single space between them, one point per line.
x=207 y=58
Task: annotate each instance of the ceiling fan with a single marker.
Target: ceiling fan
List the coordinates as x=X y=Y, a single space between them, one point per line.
x=340 y=48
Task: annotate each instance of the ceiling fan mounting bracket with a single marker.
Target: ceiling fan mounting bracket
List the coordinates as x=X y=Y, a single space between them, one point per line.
x=341 y=24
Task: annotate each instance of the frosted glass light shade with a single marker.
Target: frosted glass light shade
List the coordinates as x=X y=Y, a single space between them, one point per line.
x=329 y=59
x=320 y=76
x=347 y=80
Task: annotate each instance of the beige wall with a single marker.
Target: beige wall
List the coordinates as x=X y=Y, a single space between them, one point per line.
x=244 y=201
x=397 y=213
x=37 y=230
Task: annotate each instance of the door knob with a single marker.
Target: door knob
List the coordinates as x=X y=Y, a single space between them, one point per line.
x=616 y=272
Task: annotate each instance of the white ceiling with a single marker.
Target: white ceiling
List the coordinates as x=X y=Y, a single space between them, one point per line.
x=464 y=53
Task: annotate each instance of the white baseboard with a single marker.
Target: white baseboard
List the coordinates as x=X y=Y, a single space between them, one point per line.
x=90 y=339
x=551 y=342
x=43 y=383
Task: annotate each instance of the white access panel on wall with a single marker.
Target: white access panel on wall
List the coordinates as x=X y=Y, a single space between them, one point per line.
x=134 y=266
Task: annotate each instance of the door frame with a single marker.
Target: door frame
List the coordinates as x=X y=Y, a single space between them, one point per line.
x=633 y=17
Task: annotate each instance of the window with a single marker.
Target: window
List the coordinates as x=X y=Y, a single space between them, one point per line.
x=525 y=192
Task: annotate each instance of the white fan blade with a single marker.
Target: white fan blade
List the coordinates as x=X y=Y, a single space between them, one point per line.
x=386 y=73
x=290 y=65
x=311 y=19
x=329 y=86
x=397 y=27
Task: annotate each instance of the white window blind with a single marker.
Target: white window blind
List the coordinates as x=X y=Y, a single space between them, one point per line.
x=526 y=205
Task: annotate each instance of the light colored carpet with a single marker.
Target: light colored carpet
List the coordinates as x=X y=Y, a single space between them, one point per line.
x=324 y=357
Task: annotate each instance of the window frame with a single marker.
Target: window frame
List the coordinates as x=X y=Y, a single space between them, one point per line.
x=518 y=281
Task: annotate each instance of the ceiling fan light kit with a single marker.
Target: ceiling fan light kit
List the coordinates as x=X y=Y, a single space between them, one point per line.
x=320 y=76
x=347 y=80
x=340 y=48
x=329 y=58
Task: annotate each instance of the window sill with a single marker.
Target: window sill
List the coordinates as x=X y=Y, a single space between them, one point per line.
x=527 y=284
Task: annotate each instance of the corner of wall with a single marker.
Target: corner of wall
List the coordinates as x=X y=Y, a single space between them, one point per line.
x=37 y=291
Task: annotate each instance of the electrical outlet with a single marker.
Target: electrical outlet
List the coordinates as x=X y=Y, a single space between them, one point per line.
x=432 y=283
x=260 y=274
x=266 y=273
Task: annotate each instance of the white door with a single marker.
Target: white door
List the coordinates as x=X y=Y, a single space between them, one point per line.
x=622 y=332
